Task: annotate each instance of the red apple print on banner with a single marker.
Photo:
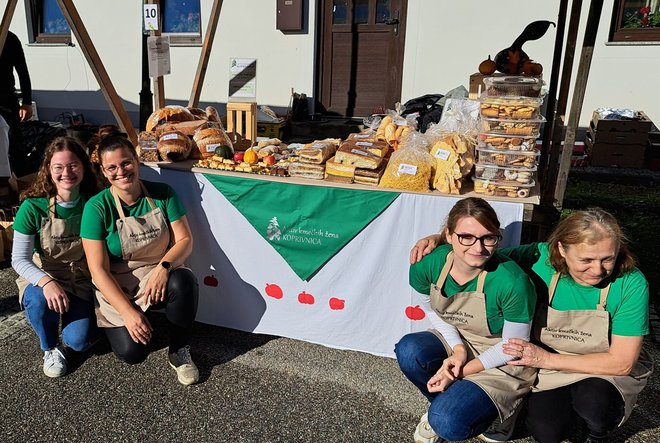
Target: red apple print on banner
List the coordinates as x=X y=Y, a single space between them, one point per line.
x=415 y=313
x=210 y=280
x=274 y=291
x=305 y=298
x=336 y=304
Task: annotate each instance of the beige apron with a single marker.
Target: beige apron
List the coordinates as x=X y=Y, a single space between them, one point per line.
x=62 y=255
x=144 y=241
x=507 y=385
x=579 y=332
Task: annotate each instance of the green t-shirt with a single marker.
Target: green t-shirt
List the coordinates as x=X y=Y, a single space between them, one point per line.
x=99 y=221
x=509 y=292
x=33 y=210
x=627 y=300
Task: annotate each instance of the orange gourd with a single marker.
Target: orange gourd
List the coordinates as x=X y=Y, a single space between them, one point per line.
x=487 y=67
x=250 y=157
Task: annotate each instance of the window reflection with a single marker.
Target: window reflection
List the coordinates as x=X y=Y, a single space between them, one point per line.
x=52 y=19
x=361 y=11
x=382 y=10
x=640 y=14
x=182 y=16
x=340 y=12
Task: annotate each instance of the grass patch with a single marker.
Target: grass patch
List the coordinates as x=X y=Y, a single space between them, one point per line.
x=636 y=207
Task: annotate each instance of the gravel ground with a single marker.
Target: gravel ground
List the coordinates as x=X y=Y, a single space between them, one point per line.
x=253 y=388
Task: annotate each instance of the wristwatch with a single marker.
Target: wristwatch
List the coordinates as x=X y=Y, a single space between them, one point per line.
x=167 y=265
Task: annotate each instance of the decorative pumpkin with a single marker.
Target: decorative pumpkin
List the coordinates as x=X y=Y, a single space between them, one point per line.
x=224 y=151
x=250 y=156
x=487 y=67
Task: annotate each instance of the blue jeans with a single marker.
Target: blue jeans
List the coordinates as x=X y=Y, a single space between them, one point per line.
x=464 y=410
x=79 y=329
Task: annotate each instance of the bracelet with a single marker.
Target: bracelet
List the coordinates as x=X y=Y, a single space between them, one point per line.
x=49 y=281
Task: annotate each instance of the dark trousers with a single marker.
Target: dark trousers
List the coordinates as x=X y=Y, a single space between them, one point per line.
x=9 y=108
x=180 y=309
x=550 y=414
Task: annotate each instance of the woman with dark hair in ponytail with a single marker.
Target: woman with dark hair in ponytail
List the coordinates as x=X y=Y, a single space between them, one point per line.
x=136 y=237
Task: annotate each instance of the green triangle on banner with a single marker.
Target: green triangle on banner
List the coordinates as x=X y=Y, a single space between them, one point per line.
x=307 y=225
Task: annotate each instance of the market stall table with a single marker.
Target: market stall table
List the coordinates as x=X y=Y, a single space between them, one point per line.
x=316 y=261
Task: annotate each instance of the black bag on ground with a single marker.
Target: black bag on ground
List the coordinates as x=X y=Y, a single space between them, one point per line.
x=426 y=107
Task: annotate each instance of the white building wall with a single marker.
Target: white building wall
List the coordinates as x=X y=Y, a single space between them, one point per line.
x=445 y=43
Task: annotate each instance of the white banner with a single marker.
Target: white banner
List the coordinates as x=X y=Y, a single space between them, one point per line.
x=359 y=300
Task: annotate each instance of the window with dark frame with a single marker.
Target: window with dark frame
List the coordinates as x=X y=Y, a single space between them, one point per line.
x=181 y=21
x=46 y=22
x=635 y=21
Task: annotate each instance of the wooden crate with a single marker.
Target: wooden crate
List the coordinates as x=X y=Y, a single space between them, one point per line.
x=642 y=125
x=614 y=154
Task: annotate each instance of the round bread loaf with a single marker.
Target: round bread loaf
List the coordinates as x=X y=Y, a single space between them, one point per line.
x=170 y=113
x=174 y=146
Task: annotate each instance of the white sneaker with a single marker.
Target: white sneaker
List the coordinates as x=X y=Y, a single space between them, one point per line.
x=424 y=433
x=185 y=368
x=54 y=362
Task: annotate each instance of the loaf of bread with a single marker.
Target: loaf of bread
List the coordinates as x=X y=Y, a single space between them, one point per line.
x=369 y=176
x=170 y=113
x=354 y=154
x=307 y=170
x=207 y=140
x=173 y=146
x=317 y=152
x=338 y=172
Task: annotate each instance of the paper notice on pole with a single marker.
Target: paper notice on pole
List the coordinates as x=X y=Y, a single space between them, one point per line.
x=159 y=55
x=242 y=78
x=151 y=17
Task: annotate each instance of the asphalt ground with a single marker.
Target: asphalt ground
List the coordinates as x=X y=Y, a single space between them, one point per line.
x=253 y=388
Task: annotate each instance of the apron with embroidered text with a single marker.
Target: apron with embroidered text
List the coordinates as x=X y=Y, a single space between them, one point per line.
x=62 y=255
x=144 y=240
x=579 y=332
x=506 y=385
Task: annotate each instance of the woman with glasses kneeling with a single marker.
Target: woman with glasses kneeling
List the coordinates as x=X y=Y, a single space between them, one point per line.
x=476 y=299
x=54 y=282
x=588 y=329
x=136 y=238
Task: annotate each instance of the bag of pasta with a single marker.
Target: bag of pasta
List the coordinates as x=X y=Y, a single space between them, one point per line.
x=411 y=167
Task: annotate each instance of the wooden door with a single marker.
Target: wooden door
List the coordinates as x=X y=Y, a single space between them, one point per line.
x=360 y=55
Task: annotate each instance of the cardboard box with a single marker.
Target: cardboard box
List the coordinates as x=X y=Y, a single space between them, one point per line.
x=642 y=125
x=653 y=157
x=614 y=154
x=270 y=130
x=618 y=137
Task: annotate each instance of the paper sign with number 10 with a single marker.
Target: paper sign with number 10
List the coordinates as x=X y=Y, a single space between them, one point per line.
x=151 y=17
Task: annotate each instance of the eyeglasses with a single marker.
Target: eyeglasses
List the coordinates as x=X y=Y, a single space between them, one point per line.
x=72 y=167
x=114 y=169
x=486 y=240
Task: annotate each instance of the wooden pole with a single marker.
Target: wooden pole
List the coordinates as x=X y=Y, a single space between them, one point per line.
x=96 y=65
x=559 y=120
x=6 y=20
x=580 y=87
x=158 y=82
x=204 y=56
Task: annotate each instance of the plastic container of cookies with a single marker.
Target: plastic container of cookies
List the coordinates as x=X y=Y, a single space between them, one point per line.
x=516 y=159
x=504 y=126
x=502 y=188
x=513 y=85
x=506 y=143
x=510 y=107
x=502 y=173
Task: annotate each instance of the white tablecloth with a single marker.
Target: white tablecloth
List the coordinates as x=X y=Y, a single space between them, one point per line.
x=370 y=274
